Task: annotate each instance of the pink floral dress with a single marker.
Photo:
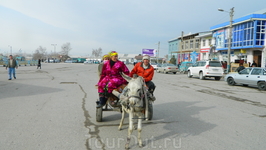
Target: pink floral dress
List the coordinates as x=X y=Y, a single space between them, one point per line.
x=110 y=78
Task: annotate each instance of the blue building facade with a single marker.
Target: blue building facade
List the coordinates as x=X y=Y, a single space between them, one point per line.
x=248 y=39
x=173 y=48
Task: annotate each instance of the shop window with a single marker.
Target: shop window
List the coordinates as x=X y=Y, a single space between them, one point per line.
x=210 y=41
x=197 y=43
x=191 y=44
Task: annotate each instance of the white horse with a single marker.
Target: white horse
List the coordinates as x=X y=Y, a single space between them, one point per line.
x=133 y=104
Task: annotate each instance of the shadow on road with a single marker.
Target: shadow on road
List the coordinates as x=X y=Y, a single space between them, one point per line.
x=9 y=90
x=177 y=118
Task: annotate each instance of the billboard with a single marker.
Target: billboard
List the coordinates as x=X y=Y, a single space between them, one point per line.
x=219 y=35
x=150 y=52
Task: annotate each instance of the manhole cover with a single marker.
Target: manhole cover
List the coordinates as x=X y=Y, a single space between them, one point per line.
x=68 y=82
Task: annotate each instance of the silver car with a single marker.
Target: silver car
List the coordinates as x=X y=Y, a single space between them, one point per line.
x=165 y=68
x=254 y=76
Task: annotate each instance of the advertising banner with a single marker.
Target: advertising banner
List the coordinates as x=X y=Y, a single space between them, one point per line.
x=219 y=35
x=150 y=52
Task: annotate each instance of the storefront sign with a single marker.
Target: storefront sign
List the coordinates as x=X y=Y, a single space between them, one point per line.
x=243 y=51
x=205 y=50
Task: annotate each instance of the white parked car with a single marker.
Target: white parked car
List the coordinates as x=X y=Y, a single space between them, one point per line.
x=254 y=76
x=154 y=65
x=203 y=69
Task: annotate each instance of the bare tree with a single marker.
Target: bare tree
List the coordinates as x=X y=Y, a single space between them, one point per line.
x=39 y=53
x=65 y=48
x=97 y=52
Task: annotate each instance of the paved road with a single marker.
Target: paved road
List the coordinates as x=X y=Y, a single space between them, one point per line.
x=54 y=108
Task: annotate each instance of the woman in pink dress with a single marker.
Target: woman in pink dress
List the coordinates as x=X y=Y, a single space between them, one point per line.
x=110 y=78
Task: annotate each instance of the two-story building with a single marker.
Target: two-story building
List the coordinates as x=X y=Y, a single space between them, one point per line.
x=187 y=45
x=206 y=42
x=248 y=39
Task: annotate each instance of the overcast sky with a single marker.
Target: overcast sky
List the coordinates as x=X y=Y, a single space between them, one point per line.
x=126 y=26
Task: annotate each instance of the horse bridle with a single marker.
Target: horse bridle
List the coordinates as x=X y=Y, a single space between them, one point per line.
x=134 y=96
x=141 y=94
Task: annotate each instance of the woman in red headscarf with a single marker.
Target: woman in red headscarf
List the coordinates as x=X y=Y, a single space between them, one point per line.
x=110 y=78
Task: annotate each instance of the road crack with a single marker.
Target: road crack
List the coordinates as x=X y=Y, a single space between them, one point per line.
x=93 y=128
x=233 y=98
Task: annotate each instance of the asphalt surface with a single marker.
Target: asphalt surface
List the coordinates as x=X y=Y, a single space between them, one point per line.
x=54 y=108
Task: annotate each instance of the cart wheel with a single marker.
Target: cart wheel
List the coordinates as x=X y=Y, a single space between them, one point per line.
x=150 y=110
x=99 y=114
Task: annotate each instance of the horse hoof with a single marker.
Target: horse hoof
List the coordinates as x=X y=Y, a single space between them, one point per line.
x=127 y=147
x=140 y=145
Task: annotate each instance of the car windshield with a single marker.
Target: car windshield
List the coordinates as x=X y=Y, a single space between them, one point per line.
x=215 y=64
x=170 y=65
x=153 y=63
x=245 y=71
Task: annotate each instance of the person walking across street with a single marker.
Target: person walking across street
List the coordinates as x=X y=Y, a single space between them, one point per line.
x=11 y=65
x=39 y=64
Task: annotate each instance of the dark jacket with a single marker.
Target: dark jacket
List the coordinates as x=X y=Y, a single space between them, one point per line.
x=240 y=68
x=14 y=64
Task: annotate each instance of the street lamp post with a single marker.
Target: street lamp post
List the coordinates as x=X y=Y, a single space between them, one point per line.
x=54 y=47
x=158 y=52
x=10 y=49
x=230 y=37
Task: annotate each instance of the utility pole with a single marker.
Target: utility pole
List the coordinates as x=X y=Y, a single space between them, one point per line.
x=10 y=49
x=158 y=52
x=230 y=39
x=231 y=13
x=182 y=45
x=54 y=47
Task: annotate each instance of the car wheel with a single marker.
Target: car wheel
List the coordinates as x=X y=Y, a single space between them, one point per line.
x=262 y=86
x=164 y=72
x=231 y=81
x=188 y=74
x=217 y=78
x=158 y=71
x=201 y=76
x=174 y=72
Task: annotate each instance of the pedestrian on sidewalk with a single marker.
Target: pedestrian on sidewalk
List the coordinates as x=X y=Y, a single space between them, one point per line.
x=39 y=64
x=240 y=68
x=11 y=65
x=254 y=64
